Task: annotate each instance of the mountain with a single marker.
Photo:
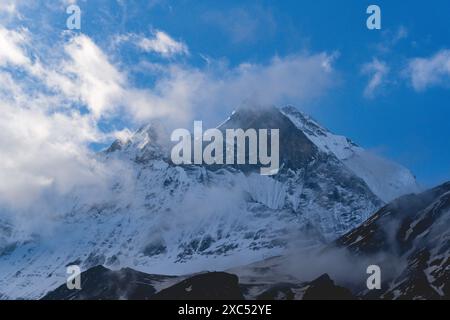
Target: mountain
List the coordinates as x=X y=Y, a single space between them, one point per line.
x=161 y=218
x=100 y=283
x=408 y=239
x=415 y=230
x=206 y=286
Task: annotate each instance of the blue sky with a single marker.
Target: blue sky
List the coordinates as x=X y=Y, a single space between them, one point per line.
x=387 y=89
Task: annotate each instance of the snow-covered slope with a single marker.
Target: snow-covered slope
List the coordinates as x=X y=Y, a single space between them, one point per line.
x=162 y=218
x=412 y=233
x=387 y=179
x=408 y=239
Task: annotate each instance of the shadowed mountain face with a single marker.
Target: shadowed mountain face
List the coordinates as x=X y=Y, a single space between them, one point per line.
x=100 y=283
x=207 y=286
x=415 y=230
x=323 y=288
x=410 y=215
x=296 y=150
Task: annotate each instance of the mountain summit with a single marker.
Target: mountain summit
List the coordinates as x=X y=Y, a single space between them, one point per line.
x=387 y=179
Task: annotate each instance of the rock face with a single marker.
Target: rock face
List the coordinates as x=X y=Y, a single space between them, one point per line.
x=100 y=283
x=323 y=288
x=413 y=230
x=208 y=286
x=162 y=218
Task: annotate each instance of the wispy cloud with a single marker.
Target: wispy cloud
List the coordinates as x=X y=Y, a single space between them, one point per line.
x=8 y=6
x=163 y=44
x=243 y=24
x=391 y=38
x=12 y=42
x=377 y=71
x=160 y=43
x=431 y=71
x=96 y=82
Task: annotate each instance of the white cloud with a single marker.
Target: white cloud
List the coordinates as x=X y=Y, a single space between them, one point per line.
x=41 y=152
x=160 y=43
x=84 y=75
x=400 y=34
x=182 y=93
x=377 y=71
x=10 y=10
x=12 y=52
x=163 y=44
x=391 y=38
x=97 y=82
x=431 y=71
x=8 y=6
x=44 y=150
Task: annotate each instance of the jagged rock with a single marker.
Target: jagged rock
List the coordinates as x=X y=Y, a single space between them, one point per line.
x=100 y=283
x=323 y=288
x=207 y=286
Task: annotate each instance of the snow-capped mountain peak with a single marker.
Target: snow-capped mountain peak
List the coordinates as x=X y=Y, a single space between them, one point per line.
x=387 y=179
